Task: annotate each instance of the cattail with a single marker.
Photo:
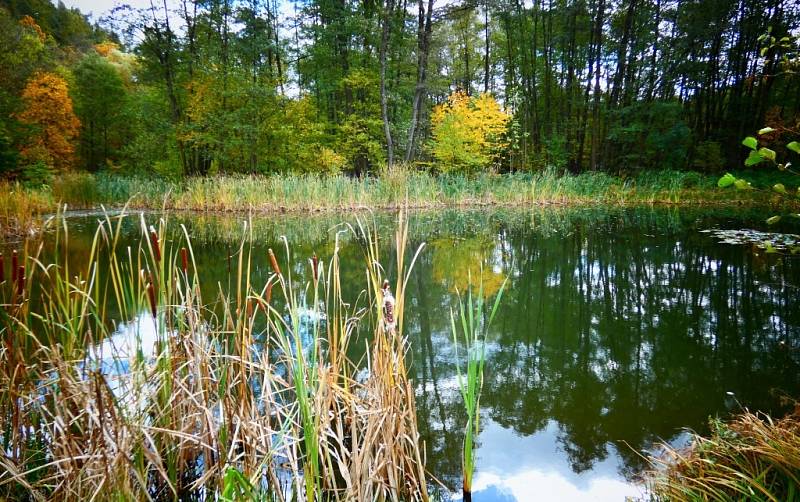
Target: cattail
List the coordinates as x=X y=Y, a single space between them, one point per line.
x=185 y=259
x=274 y=262
x=14 y=264
x=269 y=291
x=151 y=295
x=388 y=306
x=249 y=308
x=21 y=280
x=154 y=242
x=315 y=266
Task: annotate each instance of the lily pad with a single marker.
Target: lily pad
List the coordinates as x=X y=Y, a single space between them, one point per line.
x=770 y=241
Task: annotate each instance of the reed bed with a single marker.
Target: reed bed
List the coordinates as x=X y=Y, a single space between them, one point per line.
x=21 y=209
x=250 y=397
x=752 y=457
x=400 y=187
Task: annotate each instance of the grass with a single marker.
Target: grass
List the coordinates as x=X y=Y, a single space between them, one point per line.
x=248 y=397
x=392 y=189
x=753 y=457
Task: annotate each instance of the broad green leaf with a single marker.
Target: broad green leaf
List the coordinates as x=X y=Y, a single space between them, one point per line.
x=770 y=249
x=741 y=184
x=778 y=187
x=765 y=130
x=726 y=180
x=753 y=159
x=750 y=142
x=773 y=220
x=794 y=146
x=767 y=153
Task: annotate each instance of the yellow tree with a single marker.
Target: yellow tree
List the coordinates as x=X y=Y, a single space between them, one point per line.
x=468 y=132
x=48 y=110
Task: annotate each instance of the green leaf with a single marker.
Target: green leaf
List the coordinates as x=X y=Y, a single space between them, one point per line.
x=770 y=249
x=750 y=142
x=794 y=146
x=726 y=180
x=778 y=187
x=741 y=184
x=767 y=153
x=773 y=220
x=765 y=130
x=753 y=159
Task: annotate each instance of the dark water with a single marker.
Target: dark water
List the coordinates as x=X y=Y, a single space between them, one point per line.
x=620 y=329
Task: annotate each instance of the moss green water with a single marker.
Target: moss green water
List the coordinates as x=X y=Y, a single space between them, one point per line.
x=619 y=328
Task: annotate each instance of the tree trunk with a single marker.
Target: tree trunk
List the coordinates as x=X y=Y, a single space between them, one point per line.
x=387 y=22
x=423 y=46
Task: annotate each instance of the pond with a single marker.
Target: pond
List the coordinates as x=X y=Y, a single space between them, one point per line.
x=620 y=329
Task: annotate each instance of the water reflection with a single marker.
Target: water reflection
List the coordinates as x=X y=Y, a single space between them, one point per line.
x=620 y=329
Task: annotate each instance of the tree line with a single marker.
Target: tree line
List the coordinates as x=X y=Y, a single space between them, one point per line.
x=196 y=87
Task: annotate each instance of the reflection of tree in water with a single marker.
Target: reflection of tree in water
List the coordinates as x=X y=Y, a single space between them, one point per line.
x=619 y=333
x=618 y=326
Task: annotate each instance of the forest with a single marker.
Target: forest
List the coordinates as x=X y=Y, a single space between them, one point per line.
x=204 y=87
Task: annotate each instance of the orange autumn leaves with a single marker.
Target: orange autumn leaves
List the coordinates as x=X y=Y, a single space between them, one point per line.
x=468 y=132
x=48 y=110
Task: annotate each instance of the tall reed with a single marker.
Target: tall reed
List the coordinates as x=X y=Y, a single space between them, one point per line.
x=176 y=398
x=474 y=329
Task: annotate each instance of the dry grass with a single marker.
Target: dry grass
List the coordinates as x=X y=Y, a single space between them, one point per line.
x=21 y=210
x=206 y=412
x=753 y=457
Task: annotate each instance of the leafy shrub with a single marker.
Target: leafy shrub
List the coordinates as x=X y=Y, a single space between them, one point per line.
x=469 y=133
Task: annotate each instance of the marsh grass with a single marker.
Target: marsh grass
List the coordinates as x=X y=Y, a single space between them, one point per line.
x=401 y=186
x=753 y=457
x=21 y=208
x=202 y=411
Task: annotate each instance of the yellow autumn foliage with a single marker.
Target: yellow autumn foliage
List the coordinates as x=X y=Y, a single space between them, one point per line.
x=48 y=110
x=468 y=132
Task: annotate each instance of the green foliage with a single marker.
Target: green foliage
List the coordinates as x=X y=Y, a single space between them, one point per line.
x=100 y=103
x=651 y=135
x=708 y=157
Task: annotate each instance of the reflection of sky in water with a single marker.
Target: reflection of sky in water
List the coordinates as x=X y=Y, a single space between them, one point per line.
x=625 y=328
x=531 y=468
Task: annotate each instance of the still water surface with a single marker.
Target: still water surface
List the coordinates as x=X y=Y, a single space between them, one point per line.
x=620 y=329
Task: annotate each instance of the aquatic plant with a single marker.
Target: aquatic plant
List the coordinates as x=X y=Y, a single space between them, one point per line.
x=752 y=457
x=119 y=381
x=473 y=326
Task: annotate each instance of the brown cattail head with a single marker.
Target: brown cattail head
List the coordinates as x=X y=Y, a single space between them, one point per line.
x=155 y=244
x=249 y=309
x=185 y=259
x=2 y=269
x=21 y=280
x=14 y=264
x=315 y=266
x=269 y=291
x=274 y=262
x=151 y=295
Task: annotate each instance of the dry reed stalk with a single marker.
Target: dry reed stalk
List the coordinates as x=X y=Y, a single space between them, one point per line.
x=187 y=419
